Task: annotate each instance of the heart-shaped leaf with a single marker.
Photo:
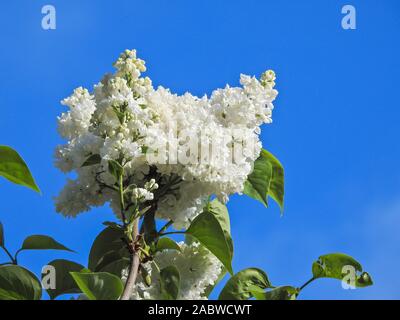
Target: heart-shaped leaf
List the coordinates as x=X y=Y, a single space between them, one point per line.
x=170 y=283
x=14 y=168
x=167 y=244
x=279 y=293
x=258 y=182
x=266 y=179
x=17 y=283
x=242 y=284
x=107 y=247
x=40 y=242
x=342 y=267
x=115 y=267
x=99 y=285
x=115 y=169
x=92 y=160
x=220 y=211
x=64 y=282
x=208 y=231
x=149 y=227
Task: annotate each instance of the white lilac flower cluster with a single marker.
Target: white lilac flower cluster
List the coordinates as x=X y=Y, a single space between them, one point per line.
x=198 y=269
x=193 y=147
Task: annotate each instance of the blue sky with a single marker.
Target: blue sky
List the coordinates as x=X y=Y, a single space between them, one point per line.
x=335 y=124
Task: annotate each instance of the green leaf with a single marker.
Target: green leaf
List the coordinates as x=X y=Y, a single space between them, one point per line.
x=115 y=169
x=114 y=262
x=208 y=231
x=145 y=149
x=111 y=224
x=115 y=267
x=149 y=227
x=220 y=211
x=338 y=266
x=2 y=243
x=107 y=247
x=267 y=179
x=64 y=282
x=146 y=276
x=364 y=280
x=167 y=244
x=242 y=284
x=99 y=285
x=14 y=168
x=170 y=283
x=258 y=182
x=92 y=160
x=279 y=293
x=277 y=185
x=39 y=242
x=17 y=283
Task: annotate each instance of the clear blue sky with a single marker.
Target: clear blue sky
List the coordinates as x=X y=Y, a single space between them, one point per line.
x=335 y=124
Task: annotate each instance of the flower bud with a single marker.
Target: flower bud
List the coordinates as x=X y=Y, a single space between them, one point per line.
x=268 y=78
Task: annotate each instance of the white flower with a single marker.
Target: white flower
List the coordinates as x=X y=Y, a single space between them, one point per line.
x=77 y=120
x=195 y=147
x=180 y=148
x=78 y=196
x=141 y=195
x=151 y=185
x=268 y=78
x=198 y=269
x=72 y=155
x=116 y=146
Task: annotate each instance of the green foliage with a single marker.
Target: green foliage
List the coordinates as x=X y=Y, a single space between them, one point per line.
x=220 y=212
x=40 y=242
x=107 y=248
x=165 y=244
x=115 y=169
x=208 y=231
x=92 y=160
x=242 y=285
x=258 y=182
x=279 y=293
x=364 y=280
x=14 y=168
x=267 y=179
x=64 y=281
x=149 y=228
x=99 y=285
x=252 y=283
x=115 y=266
x=17 y=283
x=336 y=266
x=146 y=277
x=170 y=283
x=109 y=254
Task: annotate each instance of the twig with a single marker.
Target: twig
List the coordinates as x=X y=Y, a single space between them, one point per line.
x=167 y=225
x=13 y=259
x=306 y=284
x=172 y=232
x=134 y=266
